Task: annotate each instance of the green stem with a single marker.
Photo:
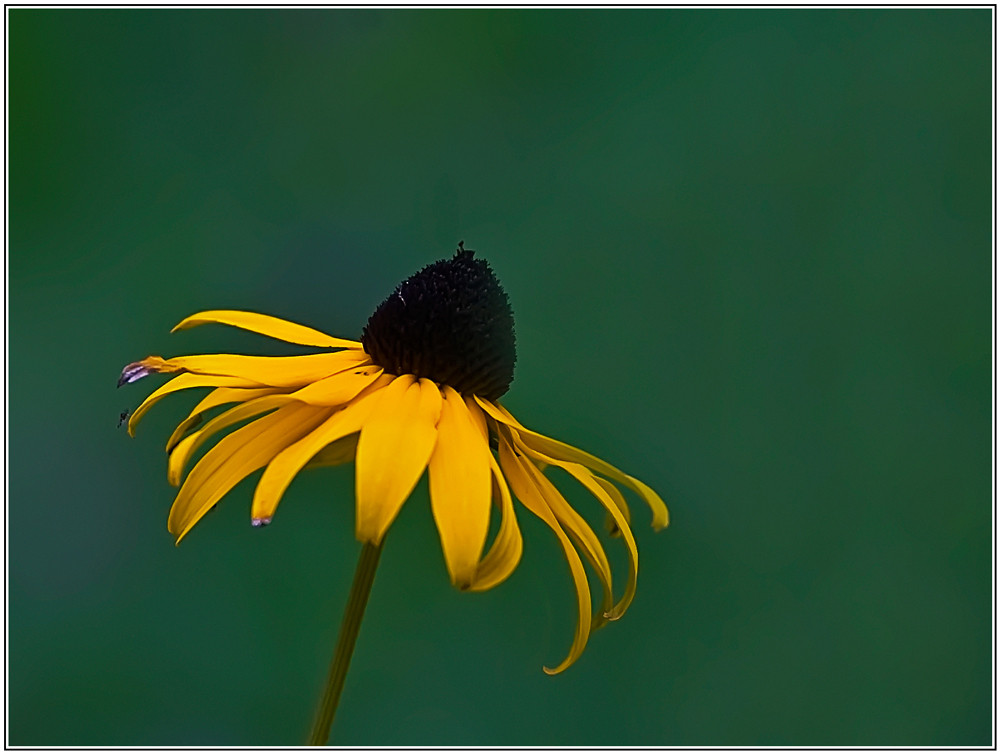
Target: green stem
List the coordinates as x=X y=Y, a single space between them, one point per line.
x=364 y=575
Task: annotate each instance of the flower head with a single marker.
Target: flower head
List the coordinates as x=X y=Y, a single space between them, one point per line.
x=419 y=391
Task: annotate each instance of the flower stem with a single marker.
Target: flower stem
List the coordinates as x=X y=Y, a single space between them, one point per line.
x=364 y=575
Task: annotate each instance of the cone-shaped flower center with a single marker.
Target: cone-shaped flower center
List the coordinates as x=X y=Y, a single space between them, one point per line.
x=451 y=323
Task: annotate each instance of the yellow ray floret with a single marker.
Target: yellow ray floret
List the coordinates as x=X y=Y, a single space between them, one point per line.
x=523 y=481
x=264 y=324
x=505 y=553
x=459 y=476
x=393 y=450
x=262 y=371
x=562 y=451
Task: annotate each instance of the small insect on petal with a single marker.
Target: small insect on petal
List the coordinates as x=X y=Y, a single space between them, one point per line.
x=259 y=522
x=132 y=372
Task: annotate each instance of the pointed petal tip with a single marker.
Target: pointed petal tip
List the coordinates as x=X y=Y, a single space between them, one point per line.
x=172 y=528
x=138 y=369
x=131 y=373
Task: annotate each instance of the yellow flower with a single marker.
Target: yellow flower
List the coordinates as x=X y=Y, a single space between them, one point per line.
x=419 y=391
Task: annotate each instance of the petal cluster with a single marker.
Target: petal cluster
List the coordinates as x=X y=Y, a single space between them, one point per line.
x=337 y=406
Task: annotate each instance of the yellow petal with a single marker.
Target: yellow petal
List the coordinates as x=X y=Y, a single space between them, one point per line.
x=564 y=452
x=586 y=541
x=274 y=371
x=181 y=382
x=264 y=324
x=619 y=499
x=218 y=397
x=600 y=488
x=338 y=388
x=505 y=554
x=342 y=425
x=620 y=528
x=460 y=486
x=517 y=471
x=395 y=444
x=180 y=455
x=236 y=456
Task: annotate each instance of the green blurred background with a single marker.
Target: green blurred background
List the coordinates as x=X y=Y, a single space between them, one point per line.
x=749 y=253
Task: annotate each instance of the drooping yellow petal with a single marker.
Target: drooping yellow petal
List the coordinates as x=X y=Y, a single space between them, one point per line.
x=264 y=324
x=586 y=541
x=269 y=371
x=516 y=469
x=343 y=424
x=338 y=388
x=182 y=382
x=599 y=488
x=505 y=554
x=619 y=499
x=620 y=528
x=180 y=455
x=237 y=455
x=395 y=444
x=564 y=452
x=218 y=397
x=460 y=485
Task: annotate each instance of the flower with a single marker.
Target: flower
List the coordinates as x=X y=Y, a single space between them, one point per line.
x=419 y=391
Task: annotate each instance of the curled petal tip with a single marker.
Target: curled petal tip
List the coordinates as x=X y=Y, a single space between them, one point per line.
x=259 y=522
x=135 y=371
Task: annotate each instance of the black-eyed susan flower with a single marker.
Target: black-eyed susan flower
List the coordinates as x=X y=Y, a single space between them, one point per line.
x=420 y=391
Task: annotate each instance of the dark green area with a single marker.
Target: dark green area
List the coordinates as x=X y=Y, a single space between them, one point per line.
x=749 y=255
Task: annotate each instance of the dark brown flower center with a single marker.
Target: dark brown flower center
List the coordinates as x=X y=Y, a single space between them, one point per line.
x=451 y=323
